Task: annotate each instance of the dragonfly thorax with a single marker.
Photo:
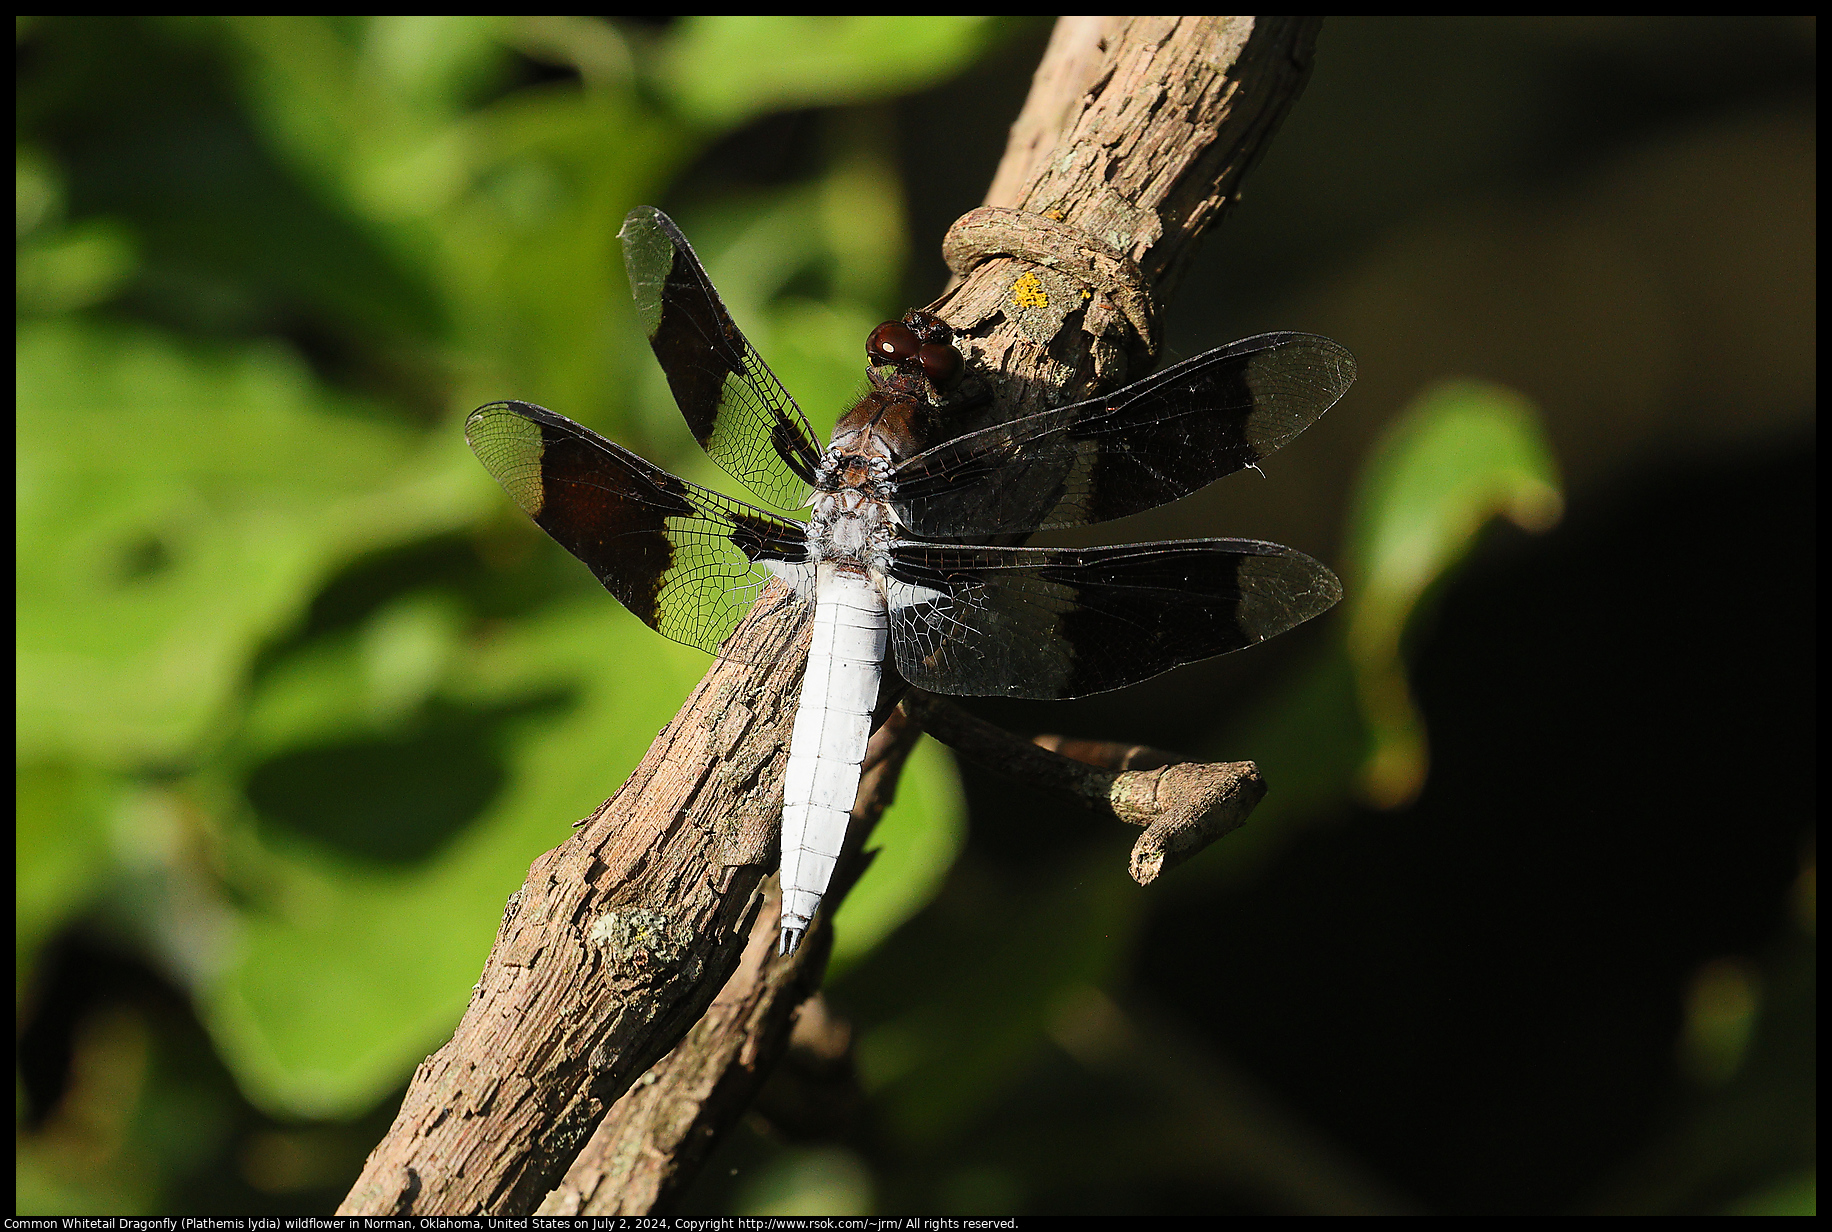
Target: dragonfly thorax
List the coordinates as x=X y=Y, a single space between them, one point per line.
x=849 y=525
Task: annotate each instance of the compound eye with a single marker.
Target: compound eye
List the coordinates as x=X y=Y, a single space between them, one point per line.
x=892 y=343
x=941 y=364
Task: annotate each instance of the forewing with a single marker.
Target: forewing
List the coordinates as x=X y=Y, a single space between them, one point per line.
x=1152 y=442
x=1067 y=622
x=687 y=561
x=734 y=405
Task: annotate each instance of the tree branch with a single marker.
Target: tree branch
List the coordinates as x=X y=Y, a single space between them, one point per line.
x=1184 y=805
x=1160 y=120
x=619 y=939
x=651 y=1144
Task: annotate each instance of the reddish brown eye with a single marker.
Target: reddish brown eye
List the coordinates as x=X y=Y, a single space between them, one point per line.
x=941 y=364
x=892 y=343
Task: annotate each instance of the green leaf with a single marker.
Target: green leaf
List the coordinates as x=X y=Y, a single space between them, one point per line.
x=349 y=972
x=1794 y=1195
x=1463 y=453
x=73 y=268
x=807 y=1182
x=528 y=249
x=175 y=510
x=916 y=843
x=61 y=816
x=722 y=71
x=353 y=105
x=972 y=1030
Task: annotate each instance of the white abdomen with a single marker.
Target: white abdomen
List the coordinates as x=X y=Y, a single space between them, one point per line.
x=828 y=743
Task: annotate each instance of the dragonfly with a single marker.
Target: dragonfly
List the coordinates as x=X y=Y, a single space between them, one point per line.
x=892 y=558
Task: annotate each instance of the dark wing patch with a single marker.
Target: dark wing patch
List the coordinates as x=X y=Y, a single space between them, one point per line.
x=687 y=561
x=1152 y=442
x=734 y=405
x=1067 y=622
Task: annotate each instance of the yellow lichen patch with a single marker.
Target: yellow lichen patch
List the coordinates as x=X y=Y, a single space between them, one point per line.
x=1028 y=292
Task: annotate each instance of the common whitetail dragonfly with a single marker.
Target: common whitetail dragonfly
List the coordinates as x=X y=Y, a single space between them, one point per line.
x=886 y=559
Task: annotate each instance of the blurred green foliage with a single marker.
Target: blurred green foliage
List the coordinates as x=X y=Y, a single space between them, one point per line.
x=265 y=728
x=1462 y=456
x=300 y=694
